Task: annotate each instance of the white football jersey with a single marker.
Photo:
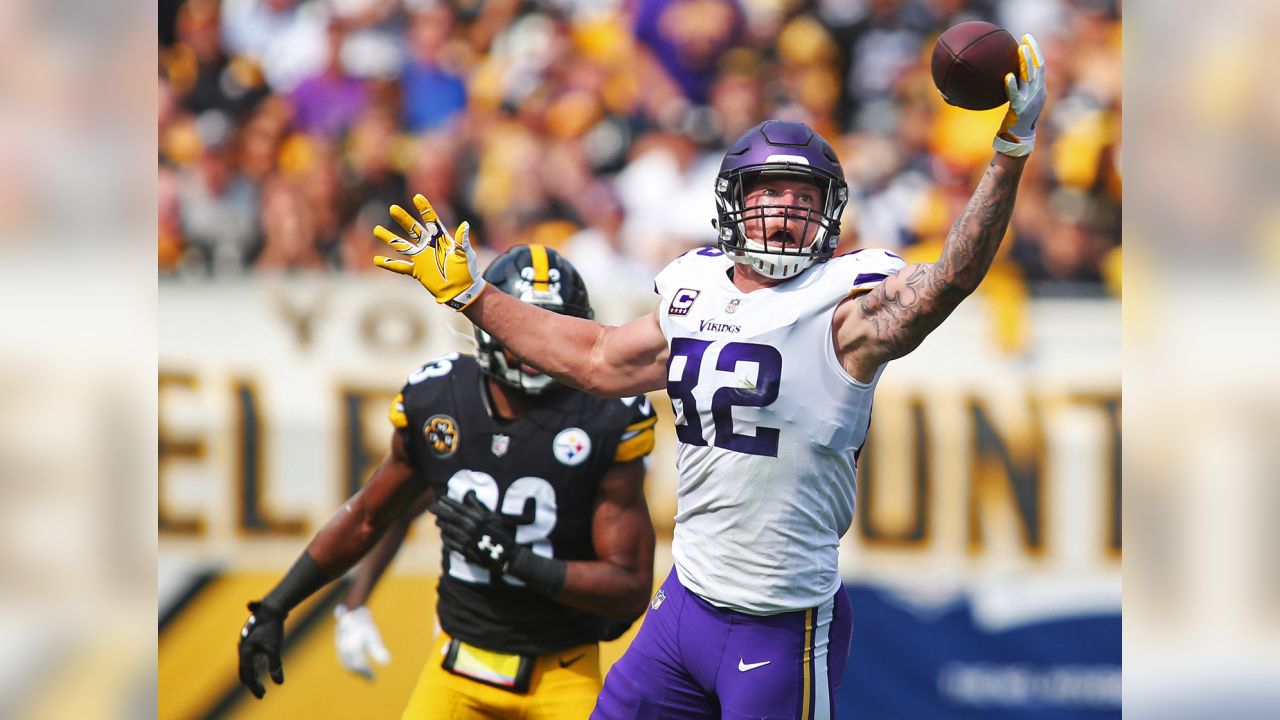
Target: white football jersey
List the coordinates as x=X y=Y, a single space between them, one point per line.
x=769 y=427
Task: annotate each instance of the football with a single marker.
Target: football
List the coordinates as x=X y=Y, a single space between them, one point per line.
x=969 y=63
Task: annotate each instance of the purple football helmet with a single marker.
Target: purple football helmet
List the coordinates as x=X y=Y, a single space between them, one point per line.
x=780 y=148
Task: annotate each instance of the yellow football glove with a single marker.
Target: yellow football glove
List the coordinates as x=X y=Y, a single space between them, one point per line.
x=445 y=264
x=1017 y=136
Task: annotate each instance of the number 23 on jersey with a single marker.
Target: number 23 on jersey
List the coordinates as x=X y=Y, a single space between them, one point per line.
x=535 y=525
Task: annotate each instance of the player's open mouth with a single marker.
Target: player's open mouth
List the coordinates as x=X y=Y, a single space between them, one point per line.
x=782 y=238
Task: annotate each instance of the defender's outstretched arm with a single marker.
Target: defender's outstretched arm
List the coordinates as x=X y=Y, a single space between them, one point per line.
x=377 y=560
x=351 y=533
x=360 y=523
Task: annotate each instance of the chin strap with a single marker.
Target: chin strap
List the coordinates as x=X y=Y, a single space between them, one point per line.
x=516 y=378
x=801 y=264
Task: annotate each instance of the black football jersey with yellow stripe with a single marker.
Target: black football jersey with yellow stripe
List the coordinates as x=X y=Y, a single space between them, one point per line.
x=541 y=471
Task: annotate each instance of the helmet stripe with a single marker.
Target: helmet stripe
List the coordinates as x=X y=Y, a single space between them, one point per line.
x=541 y=276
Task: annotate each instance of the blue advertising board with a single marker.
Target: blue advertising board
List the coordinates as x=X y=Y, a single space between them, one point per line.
x=911 y=660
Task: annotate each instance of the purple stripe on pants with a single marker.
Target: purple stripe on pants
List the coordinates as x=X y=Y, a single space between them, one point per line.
x=692 y=660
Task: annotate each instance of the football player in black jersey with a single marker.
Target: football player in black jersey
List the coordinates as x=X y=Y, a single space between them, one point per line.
x=539 y=493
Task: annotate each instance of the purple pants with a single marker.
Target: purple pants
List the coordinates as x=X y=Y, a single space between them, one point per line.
x=692 y=659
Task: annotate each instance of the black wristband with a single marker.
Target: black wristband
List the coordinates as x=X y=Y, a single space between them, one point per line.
x=303 y=579
x=546 y=575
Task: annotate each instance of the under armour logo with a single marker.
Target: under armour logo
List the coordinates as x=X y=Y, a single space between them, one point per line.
x=486 y=545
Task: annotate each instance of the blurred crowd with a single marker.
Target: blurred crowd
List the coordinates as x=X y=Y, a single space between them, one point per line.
x=287 y=127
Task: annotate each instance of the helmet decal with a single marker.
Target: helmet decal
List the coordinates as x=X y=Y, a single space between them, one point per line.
x=539 y=270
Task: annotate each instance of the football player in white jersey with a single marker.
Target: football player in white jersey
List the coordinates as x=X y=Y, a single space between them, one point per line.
x=770 y=349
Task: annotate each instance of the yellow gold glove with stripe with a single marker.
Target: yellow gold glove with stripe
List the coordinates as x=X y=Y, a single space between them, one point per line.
x=445 y=264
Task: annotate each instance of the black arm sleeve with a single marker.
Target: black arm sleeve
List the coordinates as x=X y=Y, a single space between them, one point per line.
x=303 y=579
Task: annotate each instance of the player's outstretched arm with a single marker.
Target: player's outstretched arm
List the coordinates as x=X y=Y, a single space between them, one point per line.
x=893 y=319
x=606 y=361
x=379 y=558
x=351 y=533
x=356 y=635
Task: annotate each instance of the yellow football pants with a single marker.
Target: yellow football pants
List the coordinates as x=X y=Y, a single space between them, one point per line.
x=564 y=686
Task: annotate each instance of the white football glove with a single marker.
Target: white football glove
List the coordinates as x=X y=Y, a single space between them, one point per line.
x=358 y=639
x=1017 y=135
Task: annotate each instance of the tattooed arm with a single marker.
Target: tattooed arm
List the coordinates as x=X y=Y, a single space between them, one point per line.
x=895 y=317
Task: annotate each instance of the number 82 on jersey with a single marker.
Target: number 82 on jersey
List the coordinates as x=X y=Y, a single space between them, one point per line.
x=737 y=375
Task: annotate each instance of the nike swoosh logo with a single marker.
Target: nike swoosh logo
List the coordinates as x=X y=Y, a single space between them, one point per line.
x=743 y=667
x=566 y=663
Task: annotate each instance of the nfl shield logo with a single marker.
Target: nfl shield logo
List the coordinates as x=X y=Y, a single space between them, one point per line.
x=732 y=307
x=500 y=444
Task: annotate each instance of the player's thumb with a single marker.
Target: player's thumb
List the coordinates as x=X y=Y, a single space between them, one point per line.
x=463 y=236
x=1011 y=87
x=403 y=267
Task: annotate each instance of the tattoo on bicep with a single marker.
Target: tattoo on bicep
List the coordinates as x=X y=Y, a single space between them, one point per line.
x=895 y=307
x=906 y=307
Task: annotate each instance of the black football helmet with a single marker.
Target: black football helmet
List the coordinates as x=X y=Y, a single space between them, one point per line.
x=538 y=275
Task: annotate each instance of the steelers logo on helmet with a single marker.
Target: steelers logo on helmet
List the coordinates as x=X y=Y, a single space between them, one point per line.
x=778 y=149
x=441 y=432
x=540 y=276
x=571 y=446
